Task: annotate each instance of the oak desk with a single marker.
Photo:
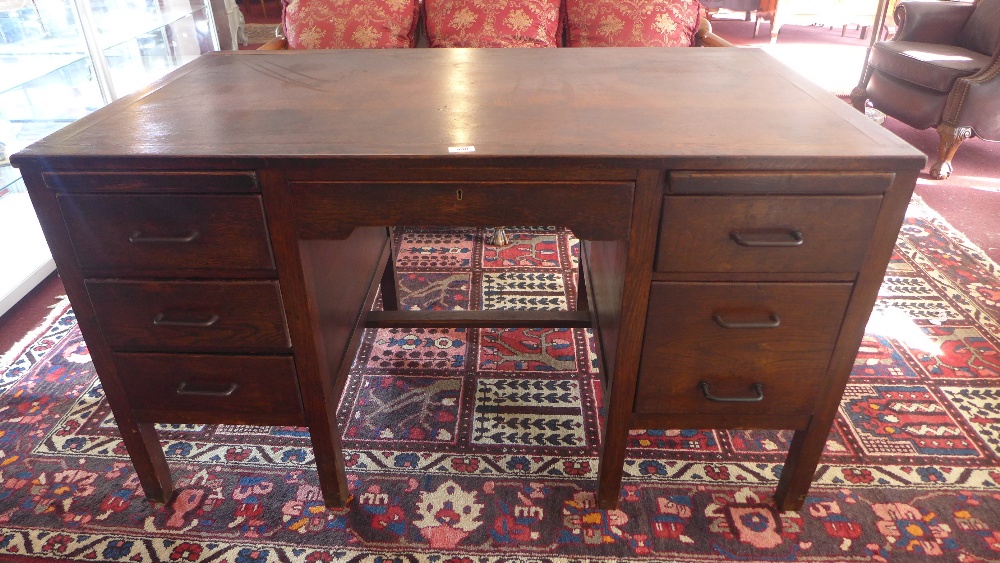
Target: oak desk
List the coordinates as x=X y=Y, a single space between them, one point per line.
x=222 y=235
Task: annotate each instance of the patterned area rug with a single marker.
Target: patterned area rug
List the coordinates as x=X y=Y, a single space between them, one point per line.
x=470 y=446
x=259 y=33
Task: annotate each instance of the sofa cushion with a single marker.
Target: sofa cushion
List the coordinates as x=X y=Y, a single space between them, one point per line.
x=982 y=31
x=349 y=24
x=492 y=23
x=632 y=23
x=926 y=64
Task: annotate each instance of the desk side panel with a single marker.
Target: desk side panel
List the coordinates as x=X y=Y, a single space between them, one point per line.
x=140 y=438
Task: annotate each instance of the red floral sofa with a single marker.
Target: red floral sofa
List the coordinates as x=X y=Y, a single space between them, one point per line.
x=346 y=24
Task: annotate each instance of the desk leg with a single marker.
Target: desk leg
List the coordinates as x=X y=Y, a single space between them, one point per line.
x=150 y=463
x=327 y=287
x=621 y=273
x=140 y=439
x=800 y=465
x=390 y=301
x=338 y=310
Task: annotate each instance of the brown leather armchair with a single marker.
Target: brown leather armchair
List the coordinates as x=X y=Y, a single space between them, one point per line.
x=940 y=70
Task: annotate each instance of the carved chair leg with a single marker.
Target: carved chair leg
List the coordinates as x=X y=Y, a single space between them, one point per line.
x=951 y=138
x=859 y=95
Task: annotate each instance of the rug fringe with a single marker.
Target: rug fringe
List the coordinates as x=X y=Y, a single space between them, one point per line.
x=15 y=351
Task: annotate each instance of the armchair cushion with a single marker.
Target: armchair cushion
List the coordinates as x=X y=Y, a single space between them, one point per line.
x=632 y=23
x=982 y=31
x=349 y=24
x=926 y=64
x=492 y=23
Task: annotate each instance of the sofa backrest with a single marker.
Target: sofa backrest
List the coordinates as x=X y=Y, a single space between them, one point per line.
x=982 y=32
x=344 y=24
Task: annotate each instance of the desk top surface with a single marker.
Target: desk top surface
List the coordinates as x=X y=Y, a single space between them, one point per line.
x=644 y=105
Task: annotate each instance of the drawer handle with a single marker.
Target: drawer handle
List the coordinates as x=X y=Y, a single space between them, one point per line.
x=161 y=320
x=795 y=239
x=182 y=389
x=773 y=321
x=758 y=388
x=138 y=238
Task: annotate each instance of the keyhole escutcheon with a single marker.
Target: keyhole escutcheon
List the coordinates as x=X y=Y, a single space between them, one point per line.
x=459 y=194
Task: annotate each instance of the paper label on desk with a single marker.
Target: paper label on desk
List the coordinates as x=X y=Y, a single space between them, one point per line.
x=468 y=148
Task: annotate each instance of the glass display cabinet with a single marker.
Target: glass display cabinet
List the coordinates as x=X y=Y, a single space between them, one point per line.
x=60 y=60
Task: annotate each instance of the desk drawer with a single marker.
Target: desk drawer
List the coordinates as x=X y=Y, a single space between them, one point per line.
x=801 y=234
x=732 y=336
x=190 y=315
x=592 y=210
x=186 y=388
x=163 y=232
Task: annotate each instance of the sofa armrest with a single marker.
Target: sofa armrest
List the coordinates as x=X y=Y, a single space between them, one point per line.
x=705 y=38
x=276 y=44
x=931 y=22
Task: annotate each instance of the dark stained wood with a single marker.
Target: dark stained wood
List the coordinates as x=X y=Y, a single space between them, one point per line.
x=479 y=319
x=631 y=148
x=190 y=315
x=807 y=446
x=765 y=233
x=758 y=276
x=687 y=182
x=182 y=388
x=602 y=263
x=730 y=420
x=167 y=231
x=732 y=336
x=387 y=288
x=632 y=315
x=322 y=170
x=162 y=182
x=515 y=106
x=339 y=303
x=595 y=211
x=140 y=439
x=312 y=361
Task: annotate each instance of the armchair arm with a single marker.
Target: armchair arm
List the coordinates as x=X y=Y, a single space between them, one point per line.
x=705 y=38
x=276 y=44
x=974 y=101
x=931 y=22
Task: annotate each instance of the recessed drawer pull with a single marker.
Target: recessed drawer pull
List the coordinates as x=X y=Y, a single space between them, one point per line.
x=161 y=320
x=138 y=238
x=773 y=321
x=183 y=390
x=758 y=388
x=748 y=239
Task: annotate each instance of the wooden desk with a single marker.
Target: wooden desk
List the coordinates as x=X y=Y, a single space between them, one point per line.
x=222 y=235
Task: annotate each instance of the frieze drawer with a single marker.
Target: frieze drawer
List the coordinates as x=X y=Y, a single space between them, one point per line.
x=187 y=388
x=190 y=315
x=762 y=348
x=788 y=234
x=162 y=232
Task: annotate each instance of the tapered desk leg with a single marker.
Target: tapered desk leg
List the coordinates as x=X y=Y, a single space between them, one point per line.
x=150 y=463
x=141 y=441
x=339 y=308
x=328 y=284
x=800 y=466
x=390 y=300
x=620 y=274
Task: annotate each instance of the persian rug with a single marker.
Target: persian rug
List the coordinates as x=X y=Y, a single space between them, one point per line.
x=259 y=33
x=479 y=446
